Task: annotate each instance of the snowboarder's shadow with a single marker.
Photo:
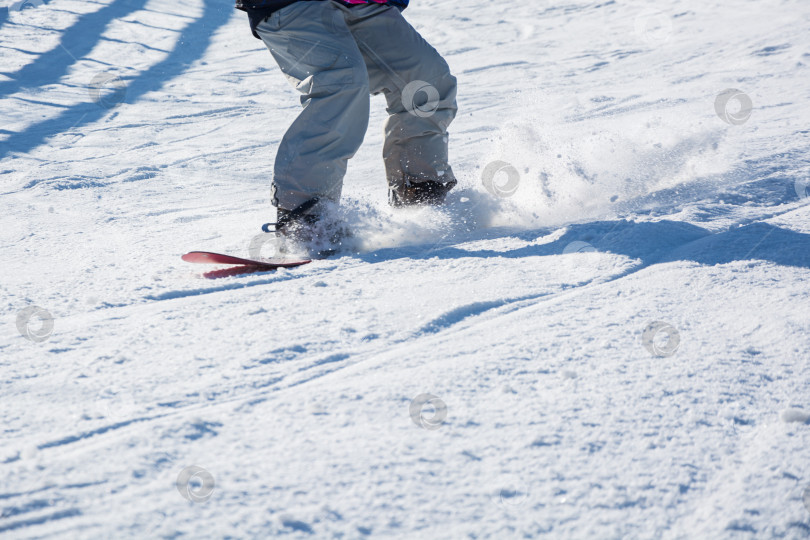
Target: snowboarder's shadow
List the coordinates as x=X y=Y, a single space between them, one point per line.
x=650 y=242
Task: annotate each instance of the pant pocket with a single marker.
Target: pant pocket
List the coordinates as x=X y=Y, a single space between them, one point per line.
x=316 y=55
x=317 y=67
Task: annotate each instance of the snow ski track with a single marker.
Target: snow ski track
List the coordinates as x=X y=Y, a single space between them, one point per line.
x=93 y=432
x=62 y=514
x=306 y=271
x=462 y=313
x=196 y=408
x=176 y=295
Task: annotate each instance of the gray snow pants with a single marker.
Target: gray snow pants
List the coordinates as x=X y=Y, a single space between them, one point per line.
x=336 y=56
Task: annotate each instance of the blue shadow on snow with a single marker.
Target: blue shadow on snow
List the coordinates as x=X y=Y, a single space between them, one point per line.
x=650 y=242
x=191 y=45
x=74 y=43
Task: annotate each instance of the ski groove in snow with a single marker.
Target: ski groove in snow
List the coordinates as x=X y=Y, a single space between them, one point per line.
x=40 y=520
x=86 y=435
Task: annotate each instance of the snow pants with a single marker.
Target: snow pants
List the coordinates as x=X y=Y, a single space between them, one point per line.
x=337 y=56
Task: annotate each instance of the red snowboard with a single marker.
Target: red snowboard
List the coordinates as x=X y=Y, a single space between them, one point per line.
x=248 y=265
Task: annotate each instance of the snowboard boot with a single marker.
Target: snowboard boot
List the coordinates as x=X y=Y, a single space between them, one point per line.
x=306 y=231
x=419 y=192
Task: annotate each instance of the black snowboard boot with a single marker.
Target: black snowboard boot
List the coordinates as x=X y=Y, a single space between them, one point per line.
x=306 y=231
x=415 y=192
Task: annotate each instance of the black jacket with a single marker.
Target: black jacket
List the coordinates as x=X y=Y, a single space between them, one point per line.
x=258 y=10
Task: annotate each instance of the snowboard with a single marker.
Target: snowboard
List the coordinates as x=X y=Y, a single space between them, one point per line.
x=207 y=257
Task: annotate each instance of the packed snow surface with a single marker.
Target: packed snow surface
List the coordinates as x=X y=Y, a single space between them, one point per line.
x=604 y=334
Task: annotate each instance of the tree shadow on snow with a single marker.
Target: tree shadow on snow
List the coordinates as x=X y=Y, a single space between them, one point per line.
x=191 y=45
x=75 y=42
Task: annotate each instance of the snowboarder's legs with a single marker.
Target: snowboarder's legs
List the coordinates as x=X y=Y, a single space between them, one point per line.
x=335 y=56
x=419 y=89
x=314 y=49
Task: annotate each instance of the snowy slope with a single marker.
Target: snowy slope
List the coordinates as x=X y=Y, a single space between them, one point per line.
x=133 y=131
